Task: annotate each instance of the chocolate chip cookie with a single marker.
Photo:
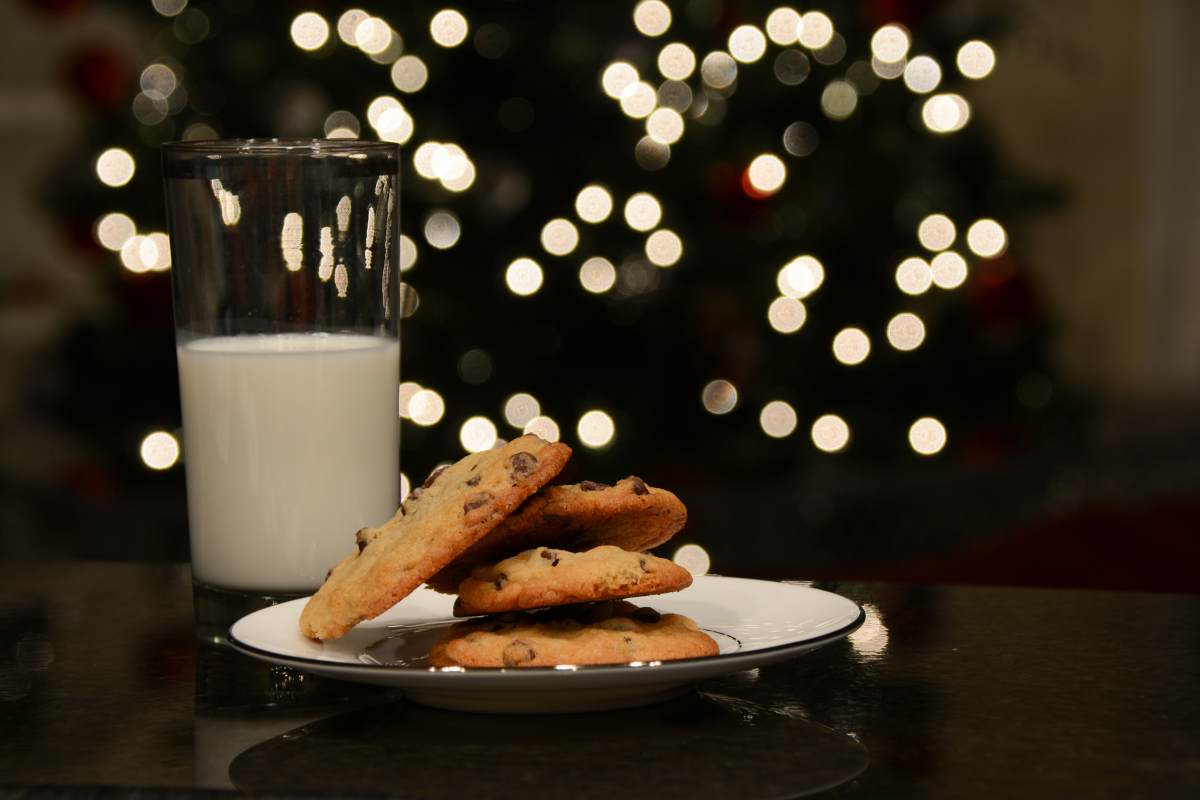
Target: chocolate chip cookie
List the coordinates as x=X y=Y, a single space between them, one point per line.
x=454 y=508
x=613 y=632
x=546 y=577
x=630 y=515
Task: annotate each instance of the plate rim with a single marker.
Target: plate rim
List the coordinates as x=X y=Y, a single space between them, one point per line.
x=596 y=670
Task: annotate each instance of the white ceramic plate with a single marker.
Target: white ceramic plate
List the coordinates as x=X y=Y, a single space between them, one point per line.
x=754 y=622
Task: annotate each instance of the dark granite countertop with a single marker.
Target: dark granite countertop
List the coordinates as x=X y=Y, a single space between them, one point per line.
x=944 y=692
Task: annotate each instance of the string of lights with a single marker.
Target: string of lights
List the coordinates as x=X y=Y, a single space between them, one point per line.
x=694 y=89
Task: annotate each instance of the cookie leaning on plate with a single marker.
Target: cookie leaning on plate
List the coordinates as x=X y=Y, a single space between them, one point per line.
x=545 y=577
x=630 y=515
x=613 y=632
x=454 y=508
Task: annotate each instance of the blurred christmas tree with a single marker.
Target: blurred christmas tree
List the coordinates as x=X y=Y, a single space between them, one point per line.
x=793 y=241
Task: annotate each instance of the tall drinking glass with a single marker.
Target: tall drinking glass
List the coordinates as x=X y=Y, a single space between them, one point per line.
x=285 y=267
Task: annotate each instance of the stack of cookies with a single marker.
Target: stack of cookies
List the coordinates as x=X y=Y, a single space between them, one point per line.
x=549 y=567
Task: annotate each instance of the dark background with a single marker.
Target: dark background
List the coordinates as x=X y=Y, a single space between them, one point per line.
x=1066 y=370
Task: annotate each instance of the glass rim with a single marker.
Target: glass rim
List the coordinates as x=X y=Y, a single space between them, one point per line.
x=280 y=147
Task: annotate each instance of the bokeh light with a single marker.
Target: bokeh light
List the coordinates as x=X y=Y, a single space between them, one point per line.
x=913 y=276
x=693 y=558
x=927 y=436
x=544 y=427
x=426 y=407
x=638 y=99
x=676 y=61
x=816 y=30
x=800 y=277
x=409 y=74
x=949 y=270
x=651 y=155
x=616 y=77
x=675 y=95
x=839 y=99
x=830 y=433
x=405 y=396
x=888 y=71
x=408 y=253
x=347 y=25
x=442 y=230
x=559 y=237
x=341 y=121
x=718 y=70
x=783 y=26
x=475 y=366
x=719 y=396
x=800 y=139
x=786 y=314
x=115 y=167
x=664 y=248
x=114 y=230
x=597 y=275
x=987 y=238
x=747 y=44
x=851 y=346
x=976 y=59
x=448 y=27
x=520 y=409
x=596 y=428
x=922 y=75
x=642 y=211
x=310 y=31
x=664 y=125
x=449 y=162
x=422 y=157
x=890 y=44
x=523 y=277
x=133 y=253
x=792 y=67
x=652 y=17
x=945 y=113
x=477 y=434
x=373 y=36
x=777 y=419
x=169 y=8
x=159 y=450
x=405 y=487
x=905 y=331
x=593 y=203
x=766 y=173
x=936 y=232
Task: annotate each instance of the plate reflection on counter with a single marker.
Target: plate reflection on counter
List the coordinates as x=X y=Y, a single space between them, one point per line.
x=731 y=744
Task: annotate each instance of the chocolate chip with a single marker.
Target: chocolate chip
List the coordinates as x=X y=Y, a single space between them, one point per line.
x=500 y=580
x=361 y=539
x=551 y=556
x=329 y=574
x=642 y=564
x=521 y=465
x=646 y=615
x=474 y=481
x=412 y=498
x=476 y=500
x=592 y=486
x=433 y=476
x=628 y=639
x=518 y=652
x=638 y=485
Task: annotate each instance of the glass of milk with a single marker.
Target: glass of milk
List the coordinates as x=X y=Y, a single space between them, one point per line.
x=285 y=275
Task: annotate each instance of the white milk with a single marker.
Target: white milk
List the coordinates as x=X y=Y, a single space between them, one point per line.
x=291 y=444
